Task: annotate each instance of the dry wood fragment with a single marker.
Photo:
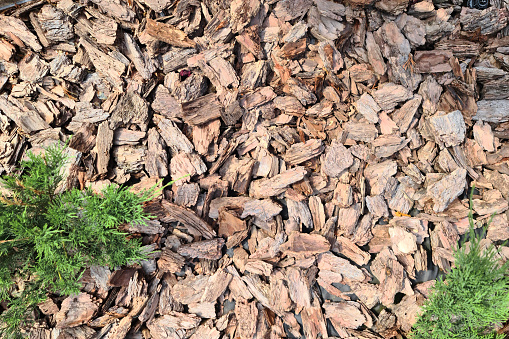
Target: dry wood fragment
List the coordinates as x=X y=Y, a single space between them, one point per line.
x=377 y=206
x=444 y=191
x=186 y=194
x=206 y=249
x=375 y=55
x=258 y=289
x=378 y=175
x=262 y=209
x=168 y=34
x=156 y=162
x=361 y=131
x=403 y=116
x=184 y=164
x=170 y=261
x=124 y=136
x=201 y=110
x=298 y=213
x=55 y=25
x=484 y=135
x=175 y=140
x=254 y=75
x=460 y=47
x=259 y=267
x=206 y=330
x=302 y=245
x=103 y=28
x=84 y=139
x=448 y=128
x=347 y=219
x=246 y=314
x=289 y=105
x=488 y=21
x=32 y=68
x=313 y=321
x=391 y=275
x=48 y=307
x=131 y=109
x=341 y=267
x=177 y=320
x=498 y=229
x=25 y=118
x=430 y=91
x=345 y=314
x=492 y=203
x=408 y=309
x=299 y=90
x=188 y=218
x=367 y=106
x=107 y=66
x=300 y=291
x=265 y=188
x=337 y=158
x=343 y=196
x=14 y=26
x=129 y=158
x=287 y=10
x=435 y=61
x=389 y=95
x=346 y=247
x=301 y=152
x=492 y=110
x=75 y=310
x=142 y=64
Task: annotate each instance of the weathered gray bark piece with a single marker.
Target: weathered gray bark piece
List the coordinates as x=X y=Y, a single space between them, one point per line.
x=300 y=152
x=116 y=9
x=156 y=163
x=131 y=109
x=378 y=175
x=403 y=116
x=492 y=110
x=174 y=138
x=367 y=106
x=444 y=191
x=55 y=24
x=133 y=52
x=337 y=158
x=27 y=119
x=448 y=129
x=389 y=95
x=201 y=110
x=107 y=66
x=12 y=25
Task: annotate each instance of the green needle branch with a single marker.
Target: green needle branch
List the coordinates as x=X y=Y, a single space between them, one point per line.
x=472 y=300
x=47 y=240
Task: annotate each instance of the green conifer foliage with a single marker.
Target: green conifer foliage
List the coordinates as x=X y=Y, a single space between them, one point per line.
x=473 y=298
x=47 y=240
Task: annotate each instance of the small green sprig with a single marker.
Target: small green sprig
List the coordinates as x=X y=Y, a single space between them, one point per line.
x=47 y=240
x=474 y=297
